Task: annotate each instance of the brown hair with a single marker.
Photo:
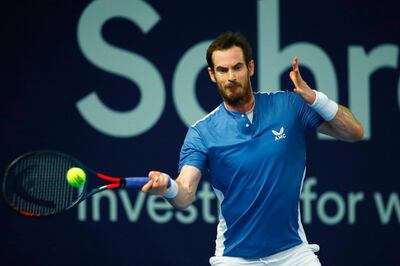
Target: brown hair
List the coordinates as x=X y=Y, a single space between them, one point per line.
x=228 y=40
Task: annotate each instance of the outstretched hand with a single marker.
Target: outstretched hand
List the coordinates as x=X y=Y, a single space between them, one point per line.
x=301 y=87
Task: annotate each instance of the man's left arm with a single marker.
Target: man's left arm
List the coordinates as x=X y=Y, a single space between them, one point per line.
x=339 y=122
x=343 y=126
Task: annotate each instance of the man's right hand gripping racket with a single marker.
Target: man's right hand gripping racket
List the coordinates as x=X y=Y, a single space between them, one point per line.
x=35 y=183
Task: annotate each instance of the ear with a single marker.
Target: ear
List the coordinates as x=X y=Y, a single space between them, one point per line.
x=211 y=74
x=251 y=68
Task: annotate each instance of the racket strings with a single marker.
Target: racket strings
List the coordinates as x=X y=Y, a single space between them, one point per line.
x=36 y=184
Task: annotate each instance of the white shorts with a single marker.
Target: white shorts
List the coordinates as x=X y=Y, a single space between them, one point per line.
x=301 y=255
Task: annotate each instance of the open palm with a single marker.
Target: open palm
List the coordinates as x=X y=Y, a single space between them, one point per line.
x=301 y=87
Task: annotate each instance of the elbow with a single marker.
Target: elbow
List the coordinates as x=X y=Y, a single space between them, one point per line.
x=357 y=134
x=360 y=133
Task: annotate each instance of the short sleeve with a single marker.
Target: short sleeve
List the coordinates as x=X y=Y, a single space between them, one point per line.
x=308 y=117
x=193 y=151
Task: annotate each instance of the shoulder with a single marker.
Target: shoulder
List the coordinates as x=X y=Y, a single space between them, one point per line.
x=199 y=131
x=208 y=119
x=274 y=97
x=272 y=94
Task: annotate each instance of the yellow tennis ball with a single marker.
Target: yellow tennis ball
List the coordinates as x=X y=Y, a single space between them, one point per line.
x=76 y=177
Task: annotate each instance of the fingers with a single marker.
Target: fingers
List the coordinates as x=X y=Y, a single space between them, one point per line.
x=146 y=188
x=301 y=87
x=293 y=77
x=295 y=63
x=295 y=73
x=158 y=183
x=154 y=175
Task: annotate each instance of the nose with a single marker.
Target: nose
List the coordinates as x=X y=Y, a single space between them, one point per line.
x=231 y=75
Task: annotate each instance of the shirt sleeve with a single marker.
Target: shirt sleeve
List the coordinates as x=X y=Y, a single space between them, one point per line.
x=308 y=117
x=193 y=151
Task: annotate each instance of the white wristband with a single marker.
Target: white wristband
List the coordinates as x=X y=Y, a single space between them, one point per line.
x=324 y=106
x=172 y=190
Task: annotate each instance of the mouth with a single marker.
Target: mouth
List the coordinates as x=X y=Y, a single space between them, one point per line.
x=232 y=86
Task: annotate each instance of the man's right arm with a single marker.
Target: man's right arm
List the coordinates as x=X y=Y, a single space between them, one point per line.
x=187 y=183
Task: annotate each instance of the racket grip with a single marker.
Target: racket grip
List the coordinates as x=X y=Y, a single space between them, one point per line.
x=136 y=182
x=139 y=182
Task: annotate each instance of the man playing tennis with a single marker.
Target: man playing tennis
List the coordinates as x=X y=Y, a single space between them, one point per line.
x=253 y=148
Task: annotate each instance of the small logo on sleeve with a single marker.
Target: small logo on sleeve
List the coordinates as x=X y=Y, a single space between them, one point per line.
x=279 y=135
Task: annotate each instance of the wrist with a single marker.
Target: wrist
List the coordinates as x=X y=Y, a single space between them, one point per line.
x=172 y=189
x=324 y=106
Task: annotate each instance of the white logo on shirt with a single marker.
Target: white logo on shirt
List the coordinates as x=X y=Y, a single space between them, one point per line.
x=279 y=135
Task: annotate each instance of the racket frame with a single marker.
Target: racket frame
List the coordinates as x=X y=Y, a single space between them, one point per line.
x=114 y=182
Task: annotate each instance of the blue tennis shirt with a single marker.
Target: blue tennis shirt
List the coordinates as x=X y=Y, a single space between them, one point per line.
x=256 y=170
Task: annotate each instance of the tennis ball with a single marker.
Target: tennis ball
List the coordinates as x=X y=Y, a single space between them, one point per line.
x=76 y=177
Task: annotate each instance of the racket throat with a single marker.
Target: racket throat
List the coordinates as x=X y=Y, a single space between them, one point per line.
x=122 y=183
x=117 y=182
x=114 y=186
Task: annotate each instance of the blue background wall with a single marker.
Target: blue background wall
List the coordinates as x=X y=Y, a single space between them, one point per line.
x=350 y=50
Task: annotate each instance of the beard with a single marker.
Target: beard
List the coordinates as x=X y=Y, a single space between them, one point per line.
x=235 y=93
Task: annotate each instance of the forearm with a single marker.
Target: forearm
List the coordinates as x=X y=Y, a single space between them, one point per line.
x=186 y=194
x=180 y=192
x=339 y=121
x=343 y=126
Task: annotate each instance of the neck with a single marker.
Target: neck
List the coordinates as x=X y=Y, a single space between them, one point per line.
x=243 y=106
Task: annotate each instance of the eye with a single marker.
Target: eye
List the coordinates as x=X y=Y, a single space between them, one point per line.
x=222 y=70
x=238 y=66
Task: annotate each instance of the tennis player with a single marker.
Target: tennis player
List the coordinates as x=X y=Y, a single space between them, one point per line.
x=253 y=148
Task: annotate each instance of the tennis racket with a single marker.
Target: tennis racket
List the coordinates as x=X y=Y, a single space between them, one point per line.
x=35 y=183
